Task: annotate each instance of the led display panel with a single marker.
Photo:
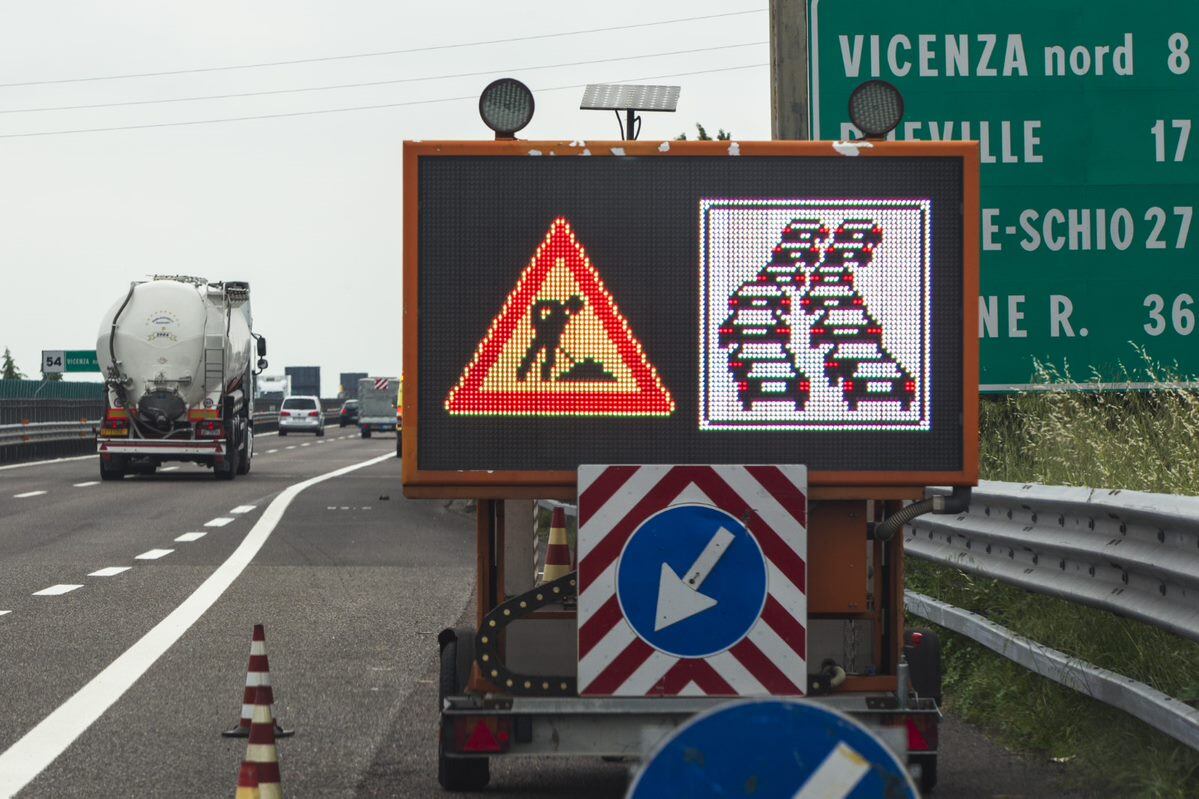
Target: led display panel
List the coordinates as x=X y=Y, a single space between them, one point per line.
x=688 y=303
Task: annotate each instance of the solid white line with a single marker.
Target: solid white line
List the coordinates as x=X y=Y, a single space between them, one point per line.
x=88 y=483
x=219 y=521
x=168 y=468
x=46 y=463
x=243 y=509
x=191 y=537
x=39 y=747
x=109 y=571
x=154 y=554
x=28 y=494
x=56 y=590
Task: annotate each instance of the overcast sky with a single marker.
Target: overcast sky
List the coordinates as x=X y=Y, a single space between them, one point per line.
x=307 y=208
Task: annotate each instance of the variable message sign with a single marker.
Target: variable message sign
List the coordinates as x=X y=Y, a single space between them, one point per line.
x=1083 y=110
x=688 y=302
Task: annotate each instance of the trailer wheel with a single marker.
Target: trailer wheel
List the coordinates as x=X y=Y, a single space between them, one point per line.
x=928 y=773
x=114 y=469
x=457 y=773
x=232 y=463
x=366 y=432
x=247 y=453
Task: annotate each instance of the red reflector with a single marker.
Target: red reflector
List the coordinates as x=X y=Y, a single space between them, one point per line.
x=917 y=742
x=916 y=639
x=481 y=739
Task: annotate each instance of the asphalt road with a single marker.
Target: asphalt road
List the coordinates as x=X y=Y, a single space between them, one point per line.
x=353 y=585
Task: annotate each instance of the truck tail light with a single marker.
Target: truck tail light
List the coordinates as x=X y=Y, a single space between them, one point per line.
x=482 y=735
x=210 y=428
x=114 y=428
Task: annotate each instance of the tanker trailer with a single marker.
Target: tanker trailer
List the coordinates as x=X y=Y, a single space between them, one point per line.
x=177 y=356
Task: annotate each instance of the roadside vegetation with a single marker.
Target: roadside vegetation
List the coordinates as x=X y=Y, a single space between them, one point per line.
x=1143 y=440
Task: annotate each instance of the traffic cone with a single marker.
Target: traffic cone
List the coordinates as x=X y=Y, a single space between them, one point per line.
x=557 y=554
x=247 y=782
x=258 y=673
x=260 y=751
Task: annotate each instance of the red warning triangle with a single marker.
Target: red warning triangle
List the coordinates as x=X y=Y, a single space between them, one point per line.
x=559 y=347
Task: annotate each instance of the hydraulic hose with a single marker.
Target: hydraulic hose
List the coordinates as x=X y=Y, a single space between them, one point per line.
x=115 y=378
x=955 y=502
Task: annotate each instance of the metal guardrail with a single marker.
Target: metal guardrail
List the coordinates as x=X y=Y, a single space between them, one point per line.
x=1160 y=711
x=1129 y=552
x=45 y=432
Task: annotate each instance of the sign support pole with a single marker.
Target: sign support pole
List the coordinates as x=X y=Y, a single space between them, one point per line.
x=789 y=69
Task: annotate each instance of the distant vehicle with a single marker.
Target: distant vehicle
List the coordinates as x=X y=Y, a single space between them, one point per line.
x=348 y=413
x=177 y=357
x=301 y=415
x=377 y=401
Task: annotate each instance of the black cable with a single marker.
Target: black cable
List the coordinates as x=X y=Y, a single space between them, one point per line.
x=426 y=49
x=320 y=111
x=619 y=123
x=372 y=83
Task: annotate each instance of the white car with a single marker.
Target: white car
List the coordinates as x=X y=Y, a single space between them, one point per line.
x=301 y=415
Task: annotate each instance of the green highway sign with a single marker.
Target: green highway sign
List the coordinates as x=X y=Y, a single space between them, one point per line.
x=59 y=361
x=1083 y=111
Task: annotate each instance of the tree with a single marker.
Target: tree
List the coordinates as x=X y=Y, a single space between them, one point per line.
x=721 y=134
x=8 y=368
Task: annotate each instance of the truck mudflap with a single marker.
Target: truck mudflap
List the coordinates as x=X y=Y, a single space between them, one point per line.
x=632 y=726
x=181 y=447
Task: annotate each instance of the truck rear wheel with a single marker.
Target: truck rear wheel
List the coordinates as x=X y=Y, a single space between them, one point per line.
x=247 y=453
x=231 y=464
x=113 y=469
x=457 y=773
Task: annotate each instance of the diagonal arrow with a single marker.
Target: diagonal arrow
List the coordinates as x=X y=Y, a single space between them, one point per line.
x=680 y=599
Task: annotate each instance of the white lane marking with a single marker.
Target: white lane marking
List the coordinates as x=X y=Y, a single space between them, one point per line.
x=219 y=521
x=309 y=444
x=28 y=494
x=56 y=590
x=39 y=747
x=46 y=463
x=191 y=537
x=2 y=612
x=168 y=468
x=243 y=509
x=154 y=554
x=88 y=483
x=293 y=446
x=109 y=571
x=837 y=776
x=271 y=451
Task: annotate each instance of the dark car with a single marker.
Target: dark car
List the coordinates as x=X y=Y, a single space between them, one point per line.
x=348 y=413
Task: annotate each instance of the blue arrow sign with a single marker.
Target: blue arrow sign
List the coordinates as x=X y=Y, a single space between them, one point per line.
x=773 y=749
x=692 y=581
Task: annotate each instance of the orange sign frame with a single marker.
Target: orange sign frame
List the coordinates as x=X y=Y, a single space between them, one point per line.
x=425 y=483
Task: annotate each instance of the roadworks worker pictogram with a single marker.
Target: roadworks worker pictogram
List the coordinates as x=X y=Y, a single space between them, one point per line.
x=560 y=347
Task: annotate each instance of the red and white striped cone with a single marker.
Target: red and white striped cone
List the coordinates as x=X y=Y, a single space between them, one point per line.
x=258 y=674
x=557 y=554
x=260 y=750
x=247 y=782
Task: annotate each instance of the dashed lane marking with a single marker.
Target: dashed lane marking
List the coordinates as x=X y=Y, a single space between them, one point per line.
x=109 y=571
x=219 y=521
x=38 y=748
x=28 y=494
x=191 y=537
x=271 y=451
x=57 y=590
x=293 y=446
x=309 y=444
x=88 y=483
x=243 y=509
x=154 y=554
x=2 y=612
x=45 y=463
x=168 y=468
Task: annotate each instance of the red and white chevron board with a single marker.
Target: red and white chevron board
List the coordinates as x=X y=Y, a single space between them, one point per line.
x=381 y=383
x=614 y=501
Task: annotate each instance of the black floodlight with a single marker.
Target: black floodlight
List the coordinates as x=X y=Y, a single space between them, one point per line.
x=876 y=108
x=506 y=106
x=630 y=99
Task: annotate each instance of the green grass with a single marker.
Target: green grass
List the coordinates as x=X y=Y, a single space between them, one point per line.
x=1144 y=440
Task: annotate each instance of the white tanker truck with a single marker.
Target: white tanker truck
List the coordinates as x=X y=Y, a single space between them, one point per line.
x=176 y=353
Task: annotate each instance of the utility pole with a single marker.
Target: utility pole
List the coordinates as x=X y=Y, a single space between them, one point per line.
x=789 y=69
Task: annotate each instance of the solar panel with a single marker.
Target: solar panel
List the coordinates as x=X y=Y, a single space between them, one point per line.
x=611 y=96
